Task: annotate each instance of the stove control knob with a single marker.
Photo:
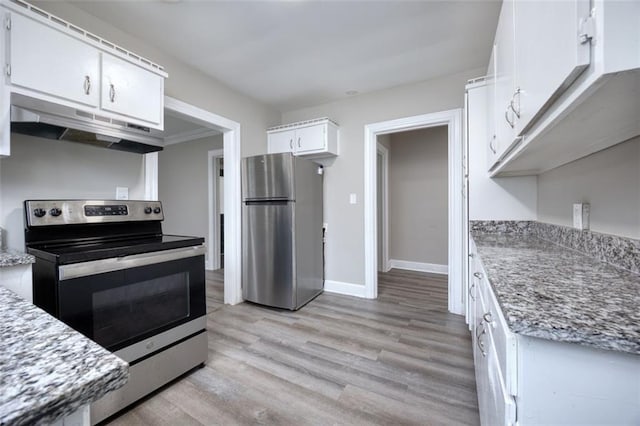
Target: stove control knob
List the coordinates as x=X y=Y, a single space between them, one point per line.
x=39 y=212
x=147 y=210
x=157 y=210
x=55 y=212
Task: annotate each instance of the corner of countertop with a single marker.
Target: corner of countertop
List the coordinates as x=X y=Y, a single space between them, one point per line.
x=14 y=257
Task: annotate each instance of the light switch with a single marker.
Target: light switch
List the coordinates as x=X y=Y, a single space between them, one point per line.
x=353 y=199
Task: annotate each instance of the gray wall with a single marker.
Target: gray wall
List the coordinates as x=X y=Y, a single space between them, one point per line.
x=609 y=180
x=183 y=186
x=345 y=238
x=42 y=168
x=418 y=196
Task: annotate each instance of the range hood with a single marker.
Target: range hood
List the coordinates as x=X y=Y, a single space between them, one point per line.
x=53 y=121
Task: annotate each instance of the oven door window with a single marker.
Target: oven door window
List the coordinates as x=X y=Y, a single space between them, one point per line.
x=132 y=310
x=117 y=309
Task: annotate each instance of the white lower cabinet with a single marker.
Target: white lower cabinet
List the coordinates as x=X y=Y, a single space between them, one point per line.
x=524 y=380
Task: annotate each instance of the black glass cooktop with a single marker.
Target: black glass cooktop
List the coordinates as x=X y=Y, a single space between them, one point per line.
x=87 y=250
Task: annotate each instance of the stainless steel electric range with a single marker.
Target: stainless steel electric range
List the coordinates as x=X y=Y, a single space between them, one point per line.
x=106 y=269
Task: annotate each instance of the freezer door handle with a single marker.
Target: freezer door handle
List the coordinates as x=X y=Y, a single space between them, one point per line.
x=266 y=202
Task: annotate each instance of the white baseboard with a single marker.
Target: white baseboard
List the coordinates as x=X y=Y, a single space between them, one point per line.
x=347 y=289
x=419 y=266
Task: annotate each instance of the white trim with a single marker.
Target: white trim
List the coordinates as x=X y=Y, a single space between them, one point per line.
x=407 y=265
x=232 y=196
x=384 y=152
x=189 y=135
x=213 y=252
x=453 y=120
x=150 y=162
x=347 y=289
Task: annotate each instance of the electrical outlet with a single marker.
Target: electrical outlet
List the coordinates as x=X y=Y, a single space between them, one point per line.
x=581 y=216
x=353 y=199
x=122 y=193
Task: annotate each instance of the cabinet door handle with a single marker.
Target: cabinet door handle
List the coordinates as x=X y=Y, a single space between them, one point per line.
x=488 y=318
x=473 y=284
x=491 y=147
x=515 y=110
x=87 y=84
x=506 y=116
x=298 y=142
x=112 y=93
x=478 y=275
x=291 y=144
x=479 y=339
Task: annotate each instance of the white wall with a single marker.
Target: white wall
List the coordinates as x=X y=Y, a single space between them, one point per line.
x=185 y=83
x=46 y=169
x=609 y=180
x=345 y=238
x=510 y=198
x=183 y=186
x=418 y=196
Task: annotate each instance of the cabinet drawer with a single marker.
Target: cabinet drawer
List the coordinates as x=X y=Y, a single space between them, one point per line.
x=503 y=339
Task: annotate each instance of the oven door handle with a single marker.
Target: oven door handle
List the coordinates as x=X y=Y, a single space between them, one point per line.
x=94 y=267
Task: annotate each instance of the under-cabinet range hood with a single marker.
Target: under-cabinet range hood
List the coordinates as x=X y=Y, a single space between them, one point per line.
x=52 y=121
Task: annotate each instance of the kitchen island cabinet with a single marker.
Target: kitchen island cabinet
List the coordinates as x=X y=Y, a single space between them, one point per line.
x=556 y=334
x=49 y=372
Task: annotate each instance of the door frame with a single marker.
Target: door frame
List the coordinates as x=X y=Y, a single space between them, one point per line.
x=453 y=120
x=213 y=172
x=232 y=196
x=384 y=153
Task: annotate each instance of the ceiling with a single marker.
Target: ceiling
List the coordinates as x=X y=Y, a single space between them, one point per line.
x=292 y=54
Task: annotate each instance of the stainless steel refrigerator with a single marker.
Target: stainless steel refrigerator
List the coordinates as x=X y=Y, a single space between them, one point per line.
x=282 y=236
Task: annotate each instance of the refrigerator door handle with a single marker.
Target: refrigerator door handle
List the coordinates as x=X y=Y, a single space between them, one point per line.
x=266 y=202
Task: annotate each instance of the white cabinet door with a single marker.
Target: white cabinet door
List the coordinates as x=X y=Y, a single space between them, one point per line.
x=505 y=69
x=311 y=138
x=48 y=61
x=492 y=140
x=131 y=91
x=280 y=141
x=548 y=54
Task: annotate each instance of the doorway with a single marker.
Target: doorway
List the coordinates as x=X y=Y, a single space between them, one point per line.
x=452 y=119
x=231 y=152
x=216 y=209
x=412 y=175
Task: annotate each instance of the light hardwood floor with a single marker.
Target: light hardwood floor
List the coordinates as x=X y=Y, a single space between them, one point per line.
x=400 y=359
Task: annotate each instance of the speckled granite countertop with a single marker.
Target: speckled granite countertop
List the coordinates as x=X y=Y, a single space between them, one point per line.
x=48 y=370
x=13 y=258
x=552 y=292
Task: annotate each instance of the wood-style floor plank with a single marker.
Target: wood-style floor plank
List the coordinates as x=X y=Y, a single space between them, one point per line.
x=400 y=359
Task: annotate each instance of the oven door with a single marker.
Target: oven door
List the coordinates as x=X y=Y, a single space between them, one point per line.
x=118 y=302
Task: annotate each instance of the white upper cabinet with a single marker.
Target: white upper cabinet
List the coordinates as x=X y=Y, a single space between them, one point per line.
x=504 y=60
x=492 y=138
x=52 y=60
x=549 y=55
x=314 y=138
x=311 y=139
x=281 y=141
x=131 y=91
x=48 y=61
x=537 y=55
x=573 y=68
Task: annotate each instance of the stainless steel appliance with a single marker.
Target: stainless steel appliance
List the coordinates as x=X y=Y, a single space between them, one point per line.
x=106 y=269
x=44 y=119
x=282 y=234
